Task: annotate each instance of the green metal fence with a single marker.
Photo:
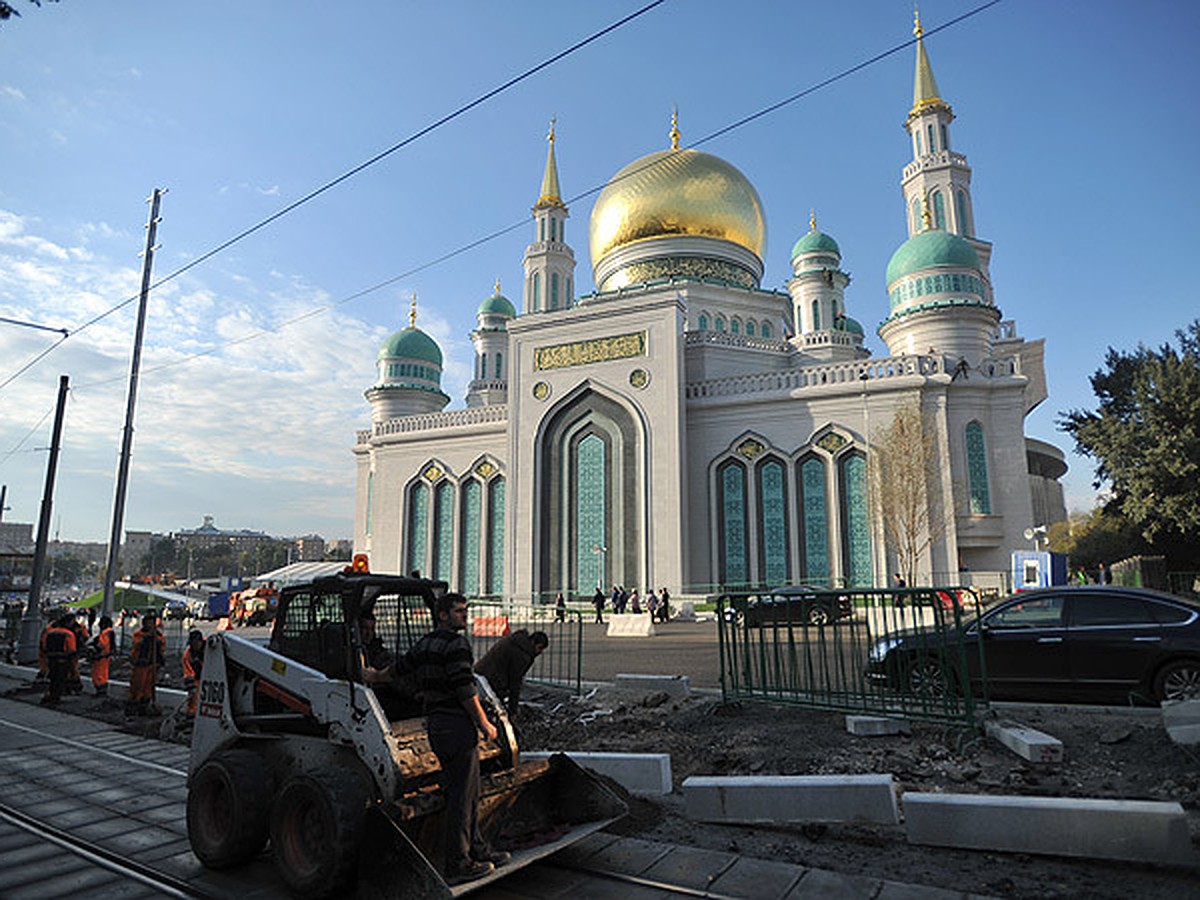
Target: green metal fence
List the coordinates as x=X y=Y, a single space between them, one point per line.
x=899 y=653
x=561 y=665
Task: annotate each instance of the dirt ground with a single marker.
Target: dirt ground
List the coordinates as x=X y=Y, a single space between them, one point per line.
x=1107 y=755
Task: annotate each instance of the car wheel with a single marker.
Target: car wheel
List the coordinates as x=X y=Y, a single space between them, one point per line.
x=818 y=614
x=927 y=679
x=1179 y=680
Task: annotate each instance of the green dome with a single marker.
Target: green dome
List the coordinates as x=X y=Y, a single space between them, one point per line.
x=498 y=305
x=411 y=343
x=813 y=241
x=853 y=326
x=929 y=250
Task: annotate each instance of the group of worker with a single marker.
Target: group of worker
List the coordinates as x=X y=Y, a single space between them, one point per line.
x=66 y=639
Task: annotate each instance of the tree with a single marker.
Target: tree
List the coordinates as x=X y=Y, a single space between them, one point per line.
x=904 y=485
x=1103 y=535
x=1145 y=437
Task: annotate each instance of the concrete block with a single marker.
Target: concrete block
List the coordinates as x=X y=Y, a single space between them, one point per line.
x=1137 y=830
x=671 y=685
x=791 y=799
x=876 y=726
x=1182 y=721
x=1027 y=743
x=630 y=626
x=647 y=774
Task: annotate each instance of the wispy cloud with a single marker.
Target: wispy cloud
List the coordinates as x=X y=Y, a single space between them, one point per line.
x=13 y=93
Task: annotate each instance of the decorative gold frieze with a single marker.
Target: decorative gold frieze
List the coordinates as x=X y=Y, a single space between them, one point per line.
x=433 y=473
x=582 y=353
x=485 y=469
x=832 y=442
x=750 y=448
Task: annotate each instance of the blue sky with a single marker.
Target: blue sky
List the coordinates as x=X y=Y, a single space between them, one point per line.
x=1076 y=118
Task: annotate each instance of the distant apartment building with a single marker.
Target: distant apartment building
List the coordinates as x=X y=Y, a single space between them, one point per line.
x=342 y=548
x=209 y=535
x=310 y=548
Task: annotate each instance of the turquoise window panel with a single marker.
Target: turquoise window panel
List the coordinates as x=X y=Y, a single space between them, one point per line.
x=814 y=510
x=418 y=527
x=443 y=527
x=472 y=510
x=590 y=515
x=735 y=567
x=945 y=137
x=554 y=290
x=932 y=141
x=537 y=290
x=703 y=324
x=858 y=527
x=495 y=578
x=939 y=210
x=499 y=365
x=735 y=326
x=977 y=473
x=773 y=533
x=816 y=313
x=960 y=203
x=750 y=329
x=766 y=329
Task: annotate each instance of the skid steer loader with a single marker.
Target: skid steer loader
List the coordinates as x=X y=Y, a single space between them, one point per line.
x=290 y=745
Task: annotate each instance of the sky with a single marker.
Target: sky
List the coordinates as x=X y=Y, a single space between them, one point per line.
x=1076 y=118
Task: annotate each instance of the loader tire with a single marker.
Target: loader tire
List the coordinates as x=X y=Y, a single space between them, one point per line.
x=228 y=806
x=316 y=825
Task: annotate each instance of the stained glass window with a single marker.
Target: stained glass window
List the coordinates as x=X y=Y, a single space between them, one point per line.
x=495 y=579
x=703 y=323
x=554 y=290
x=472 y=504
x=960 y=202
x=977 y=474
x=537 y=290
x=443 y=528
x=418 y=526
x=857 y=524
x=735 y=567
x=815 y=517
x=773 y=532
x=590 y=514
x=750 y=328
x=939 y=210
x=766 y=329
x=816 y=309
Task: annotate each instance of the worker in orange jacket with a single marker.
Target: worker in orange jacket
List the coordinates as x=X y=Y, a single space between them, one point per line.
x=102 y=645
x=193 y=665
x=58 y=643
x=147 y=653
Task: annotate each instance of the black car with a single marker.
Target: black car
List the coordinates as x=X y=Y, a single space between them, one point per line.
x=798 y=604
x=1096 y=643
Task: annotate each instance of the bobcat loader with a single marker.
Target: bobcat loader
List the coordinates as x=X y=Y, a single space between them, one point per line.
x=290 y=745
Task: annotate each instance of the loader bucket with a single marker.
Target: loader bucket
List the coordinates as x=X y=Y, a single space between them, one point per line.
x=531 y=811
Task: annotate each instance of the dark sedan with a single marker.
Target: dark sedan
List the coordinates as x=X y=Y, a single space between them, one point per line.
x=797 y=604
x=1098 y=644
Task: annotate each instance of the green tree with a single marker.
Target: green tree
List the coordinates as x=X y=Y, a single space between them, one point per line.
x=1145 y=437
x=1103 y=535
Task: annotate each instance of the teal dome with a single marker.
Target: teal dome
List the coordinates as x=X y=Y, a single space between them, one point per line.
x=814 y=241
x=411 y=343
x=498 y=305
x=931 y=249
x=853 y=326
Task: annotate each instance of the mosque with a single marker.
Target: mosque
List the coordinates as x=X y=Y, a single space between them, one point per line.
x=684 y=426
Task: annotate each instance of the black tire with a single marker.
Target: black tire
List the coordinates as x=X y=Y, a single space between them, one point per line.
x=1179 y=680
x=818 y=614
x=316 y=826
x=228 y=806
x=926 y=678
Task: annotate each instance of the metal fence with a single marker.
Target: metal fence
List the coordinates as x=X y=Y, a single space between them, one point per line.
x=561 y=665
x=897 y=653
x=1184 y=584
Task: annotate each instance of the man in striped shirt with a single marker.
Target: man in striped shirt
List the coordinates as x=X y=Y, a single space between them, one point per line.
x=444 y=667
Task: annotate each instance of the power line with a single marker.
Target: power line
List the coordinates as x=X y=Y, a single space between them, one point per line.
x=25 y=324
x=17 y=446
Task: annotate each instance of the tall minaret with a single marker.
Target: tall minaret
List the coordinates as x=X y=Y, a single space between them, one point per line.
x=549 y=261
x=490 y=384
x=937 y=175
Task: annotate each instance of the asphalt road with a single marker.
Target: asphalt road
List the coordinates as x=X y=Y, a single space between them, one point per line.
x=677 y=648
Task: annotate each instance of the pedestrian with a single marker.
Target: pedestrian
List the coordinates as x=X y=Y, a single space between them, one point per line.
x=560 y=608
x=508 y=660
x=91 y=618
x=101 y=655
x=146 y=655
x=616 y=599
x=899 y=584
x=193 y=666
x=58 y=643
x=652 y=604
x=664 y=606
x=74 y=682
x=442 y=661
x=1105 y=575
x=598 y=602
x=635 y=603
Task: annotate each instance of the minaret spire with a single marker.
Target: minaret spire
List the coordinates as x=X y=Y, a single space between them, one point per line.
x=550 y=195
x=549 y=260
x=412 y=312
x=925 y=89
x=675 y=128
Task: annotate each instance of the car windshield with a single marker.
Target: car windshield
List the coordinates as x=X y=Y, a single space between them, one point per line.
x=1034 y=612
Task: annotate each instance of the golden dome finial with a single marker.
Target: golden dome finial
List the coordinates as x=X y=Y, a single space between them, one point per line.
x=550 y=195
x=812 y=220
x=412 y=312
x=497 y=287
x=550 y=136
x=675 y=128
x=918 y=31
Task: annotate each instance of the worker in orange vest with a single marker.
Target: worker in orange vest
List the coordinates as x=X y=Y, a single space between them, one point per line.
x=147 y=653
x=193 y=665
x=102 y=651
x=58 y=643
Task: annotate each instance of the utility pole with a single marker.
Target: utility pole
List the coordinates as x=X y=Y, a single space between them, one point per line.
x=118 y=517
x=31 y=620
x=3 y=494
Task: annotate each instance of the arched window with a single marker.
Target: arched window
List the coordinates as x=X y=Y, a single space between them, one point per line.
x=537 y=291
x=750 y=328
x=541 y=229
x=814 y=519
x=917 y=224
x=856 y=530
x=499 y=366
x=816 y=315
x=469 y=534
x=945 y=137
x=932 y=143
x=443 y=530
x=553 y=229
x=495 y=576
x=720 y=323
x=734 y=568
x=939 y=210
x=418 y=526
x=766 y=329
x=917 y=135
x=960 y=203
x=554 y=289
x=773 y=549
x=977 y=471
x=483 y=365
x=735 y=326
x=702 y=324
x=590 y=512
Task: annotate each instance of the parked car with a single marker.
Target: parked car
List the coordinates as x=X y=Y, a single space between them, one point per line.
x=1087 y=643
x=798 y=604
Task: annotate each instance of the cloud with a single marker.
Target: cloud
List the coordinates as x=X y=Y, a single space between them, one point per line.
x=12 y=233
x=272 y=191
x=7 y=90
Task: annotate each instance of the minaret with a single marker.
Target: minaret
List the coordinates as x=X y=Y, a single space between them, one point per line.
x=549 y=261
x=490 y=384
x=937 y=175
x=818 y=289
x=409 y=374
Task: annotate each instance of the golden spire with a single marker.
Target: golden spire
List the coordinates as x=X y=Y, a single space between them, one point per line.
x=925 y=89
x=918 y=31
x=675 y=128
x=812 y=220
x=497 y=287
x=412 y=312
x=550 y=195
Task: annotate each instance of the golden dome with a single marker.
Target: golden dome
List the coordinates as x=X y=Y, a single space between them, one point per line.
x=677 y=193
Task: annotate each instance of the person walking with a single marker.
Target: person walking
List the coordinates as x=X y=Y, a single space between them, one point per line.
x=506 y=663
x=560 y=608
x=193 y=666
x=147 y=654
x=635 y=602
x=598 y=602
x=102 y=650
x=664 y=606
x=443 y=663
x=58 y=643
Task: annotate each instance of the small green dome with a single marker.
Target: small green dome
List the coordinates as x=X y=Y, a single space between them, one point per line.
x=931 y=249
x=853 y=326
x=411 y=343
x=813 y=241
x=498 y=305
